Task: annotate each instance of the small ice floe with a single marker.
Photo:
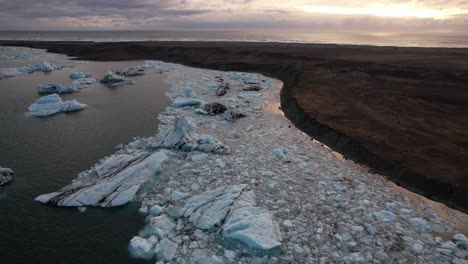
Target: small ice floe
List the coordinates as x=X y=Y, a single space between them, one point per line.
x=214 y=108
x=183 y=137
x=142 y=248
x=420 y=224
x=131 y=71
x=56 y=88
x=43 y=67
x=115 y=183
x=113 y=80
x=82 y=83
x=384 y=216
x=184 y=102
x=6 y=175
x=188 y=93
x=280 y=153
x=53 y=104
x=78 y=75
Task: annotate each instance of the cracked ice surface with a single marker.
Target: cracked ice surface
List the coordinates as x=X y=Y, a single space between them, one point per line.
x=112 y=186
x=325 y=209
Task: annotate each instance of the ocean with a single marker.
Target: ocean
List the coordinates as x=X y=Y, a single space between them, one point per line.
x=449 y=40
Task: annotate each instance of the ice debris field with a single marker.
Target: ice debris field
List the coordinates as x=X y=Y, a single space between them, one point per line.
x=228 y=179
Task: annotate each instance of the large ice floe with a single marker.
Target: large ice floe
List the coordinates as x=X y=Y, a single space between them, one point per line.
x=218 y=188
x=53 y=104
x=43 y=67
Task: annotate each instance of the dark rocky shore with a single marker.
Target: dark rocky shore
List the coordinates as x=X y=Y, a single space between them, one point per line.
x=403 y=112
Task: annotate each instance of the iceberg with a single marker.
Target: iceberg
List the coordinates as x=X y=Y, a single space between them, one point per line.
x=6 y=175
x=111 y=79
x=142 y=248
x=183 y=137
x=234 y=210
x=78 y=75
x=53 y=104
x=56 y=88
x=115 y=187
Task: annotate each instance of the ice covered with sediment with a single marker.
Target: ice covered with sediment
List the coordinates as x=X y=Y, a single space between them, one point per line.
x=53 y=104
x=288 y=192
x=132 y=71
x=113 y=80
x=43 y=67
x=113 y=182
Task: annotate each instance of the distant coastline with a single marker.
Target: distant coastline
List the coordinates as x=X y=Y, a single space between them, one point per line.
x=320 y=84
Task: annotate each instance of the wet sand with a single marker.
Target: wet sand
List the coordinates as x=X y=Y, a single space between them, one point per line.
x=403 y=112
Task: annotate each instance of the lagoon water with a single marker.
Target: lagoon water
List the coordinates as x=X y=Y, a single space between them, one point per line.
x=47 y=153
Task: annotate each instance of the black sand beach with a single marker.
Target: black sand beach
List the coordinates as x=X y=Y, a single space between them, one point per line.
x=403 y=112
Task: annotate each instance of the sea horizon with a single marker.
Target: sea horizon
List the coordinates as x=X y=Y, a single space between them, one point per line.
x=379 y=39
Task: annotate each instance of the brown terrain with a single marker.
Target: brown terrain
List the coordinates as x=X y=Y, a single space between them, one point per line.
x=403 y=112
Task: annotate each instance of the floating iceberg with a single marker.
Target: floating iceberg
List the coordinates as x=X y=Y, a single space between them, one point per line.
x=6 y=175
x=111 y=79
x=118 y=179
x=56 y=88
x=77 y=75
x=53 y=104
x=183 y=137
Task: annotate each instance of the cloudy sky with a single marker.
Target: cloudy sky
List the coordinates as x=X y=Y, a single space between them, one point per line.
x=357 y=15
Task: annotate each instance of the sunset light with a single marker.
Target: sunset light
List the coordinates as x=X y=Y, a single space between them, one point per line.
x=403 y=10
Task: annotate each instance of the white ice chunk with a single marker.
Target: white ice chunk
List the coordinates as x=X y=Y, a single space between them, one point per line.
x=420 y=224
x=77 y=75
x=280 y=153
x=166 y=249
x=161 y=225
x=53 y=104
x=183 y=137
x=114 y=189
x=142 y=248
x=384 y=216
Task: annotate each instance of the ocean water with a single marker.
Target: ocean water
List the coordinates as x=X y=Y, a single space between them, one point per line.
x=450 y=40
x=47 y=153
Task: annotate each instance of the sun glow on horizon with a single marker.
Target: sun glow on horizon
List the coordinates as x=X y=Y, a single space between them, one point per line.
x=404 y=10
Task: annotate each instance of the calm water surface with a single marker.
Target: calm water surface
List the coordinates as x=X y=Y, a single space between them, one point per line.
x=47 y=153
x=434 y=39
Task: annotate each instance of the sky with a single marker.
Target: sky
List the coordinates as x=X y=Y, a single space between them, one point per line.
x=319 y=15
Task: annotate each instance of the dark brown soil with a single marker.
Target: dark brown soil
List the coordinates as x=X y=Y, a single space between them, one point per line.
x=403 y=112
